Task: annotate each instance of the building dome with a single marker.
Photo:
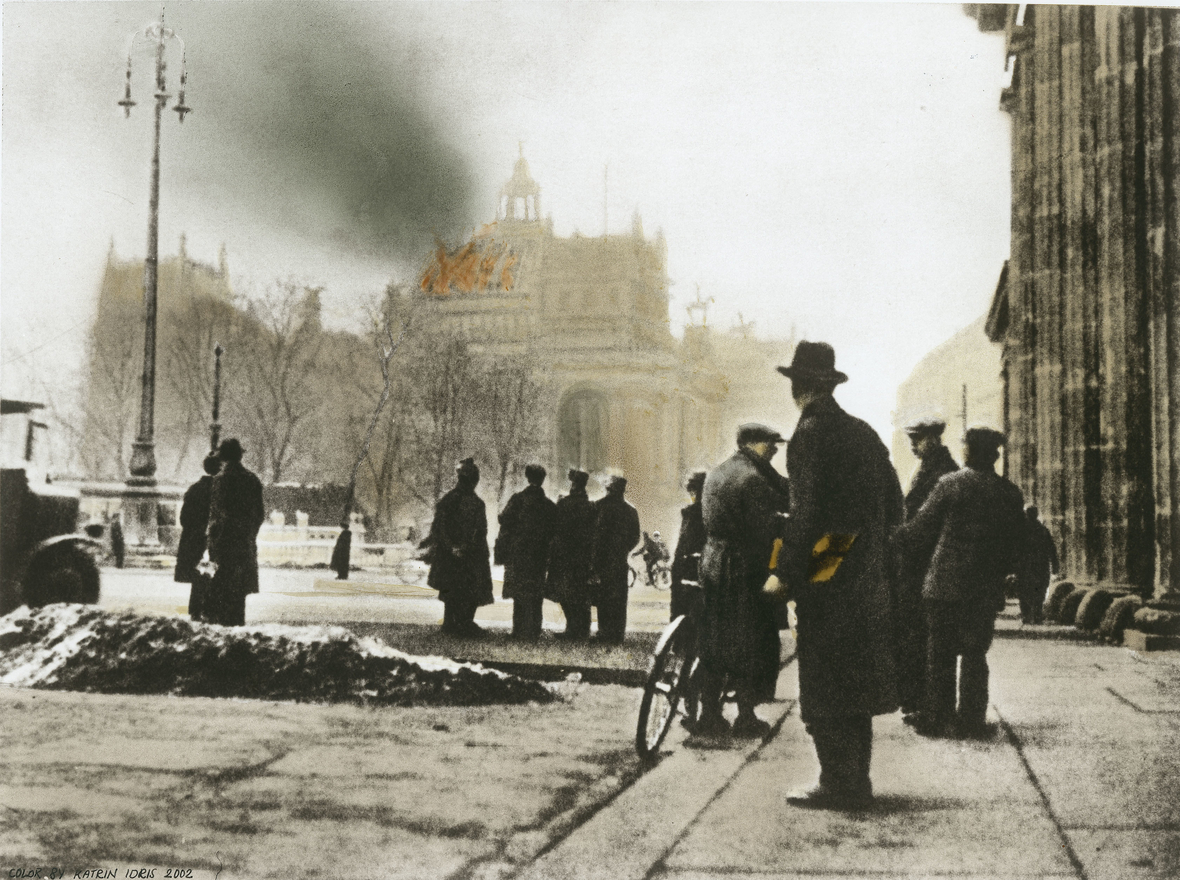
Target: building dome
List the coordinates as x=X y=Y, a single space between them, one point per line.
x=520 y=198
x=521 y=184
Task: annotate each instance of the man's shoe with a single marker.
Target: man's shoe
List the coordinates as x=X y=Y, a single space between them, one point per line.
x=974 y=729
x=751 y=727
x=474 y=631
x=933 y=726
x=711 y=725
x=818 y=797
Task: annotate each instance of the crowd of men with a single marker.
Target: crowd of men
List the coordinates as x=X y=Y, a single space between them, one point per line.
x=575 y=552
x=891 y=592
x=894 y=596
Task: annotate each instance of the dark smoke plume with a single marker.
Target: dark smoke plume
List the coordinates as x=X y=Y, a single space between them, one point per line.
x=318 y=120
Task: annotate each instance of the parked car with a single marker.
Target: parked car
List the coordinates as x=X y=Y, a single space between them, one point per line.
x=44 y=558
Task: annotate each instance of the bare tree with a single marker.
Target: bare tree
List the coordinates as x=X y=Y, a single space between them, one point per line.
x=112 y=396
x=382 y=481
x=191 y=330
x=442 y=430
x=386 y=350
x=276 y=356
x=509 y=399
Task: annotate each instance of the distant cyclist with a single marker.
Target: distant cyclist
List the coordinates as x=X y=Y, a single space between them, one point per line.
x=654 y=552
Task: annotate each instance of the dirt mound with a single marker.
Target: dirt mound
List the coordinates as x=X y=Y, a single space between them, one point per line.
x=84 y=648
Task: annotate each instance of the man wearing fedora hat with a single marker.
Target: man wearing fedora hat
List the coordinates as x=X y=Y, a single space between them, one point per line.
x=236 y=513
x=845 y=495
x=738 y=635
x=935 y=462
x=973 y=522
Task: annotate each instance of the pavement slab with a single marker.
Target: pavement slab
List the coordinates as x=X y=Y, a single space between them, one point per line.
x=1112 y=784
x=638 y=827
x=943 y=807
x=1128 y=855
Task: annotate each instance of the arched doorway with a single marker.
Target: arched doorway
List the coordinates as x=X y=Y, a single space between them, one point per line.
x=582 y=424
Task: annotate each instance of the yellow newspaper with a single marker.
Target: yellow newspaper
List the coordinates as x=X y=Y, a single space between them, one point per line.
x=826 y=556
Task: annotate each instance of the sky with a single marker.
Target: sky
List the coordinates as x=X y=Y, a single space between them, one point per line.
x=838 y=168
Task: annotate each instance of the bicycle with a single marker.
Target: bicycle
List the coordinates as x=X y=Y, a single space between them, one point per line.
x=657 y=575
x=672 y=675
x=673 y=667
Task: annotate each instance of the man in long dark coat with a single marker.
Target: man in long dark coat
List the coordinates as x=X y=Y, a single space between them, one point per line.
x=974 y=521
x=1037 y=564
x=460 y=566
x=616 y=532
x=236 y=513
x=836 y=563
x=118 y=542
x=738 y=636
x=194 y=525
x=526 y=531
x=935 y=462
x=689 y=545
x=570 y=560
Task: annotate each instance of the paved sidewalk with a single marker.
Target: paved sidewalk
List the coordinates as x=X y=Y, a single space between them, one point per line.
x=1080 y=780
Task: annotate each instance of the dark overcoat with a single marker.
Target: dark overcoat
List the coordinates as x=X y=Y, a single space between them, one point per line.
x=616 y=532
x=689 y=544
x=194 y=523
x=1039 y=559
x=842 y=483
x=741 y=503
x=931 y=469
x=569 y=558
x=460 y=566
x=526 y=531
x=974 y=520
x=235 y=516
x=909 y=614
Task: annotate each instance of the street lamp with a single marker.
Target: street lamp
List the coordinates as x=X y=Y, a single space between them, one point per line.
x=215 y=425
x=143 y=455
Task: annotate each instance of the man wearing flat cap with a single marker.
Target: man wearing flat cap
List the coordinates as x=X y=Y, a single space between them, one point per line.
x=973 y=525
x=236 y=513
x=616 y=533
x=460 y=567
x=569 y=558
x=935 y=462
x=526 y=530
x=836 y=563
x=738 y=636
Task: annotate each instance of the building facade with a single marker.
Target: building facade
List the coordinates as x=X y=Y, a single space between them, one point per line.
x=959 y=382
x=1087 y=306
x=628 y=397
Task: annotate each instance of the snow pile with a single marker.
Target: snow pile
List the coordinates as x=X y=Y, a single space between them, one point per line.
x=84 y=648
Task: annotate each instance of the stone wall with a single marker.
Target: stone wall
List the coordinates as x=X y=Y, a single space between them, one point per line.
x=1088 y=314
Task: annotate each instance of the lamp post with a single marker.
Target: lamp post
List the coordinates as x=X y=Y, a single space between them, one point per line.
x=143 y=455
x=215 y=425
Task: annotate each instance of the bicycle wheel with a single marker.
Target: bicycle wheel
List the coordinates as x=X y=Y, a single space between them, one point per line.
x=661 y=693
